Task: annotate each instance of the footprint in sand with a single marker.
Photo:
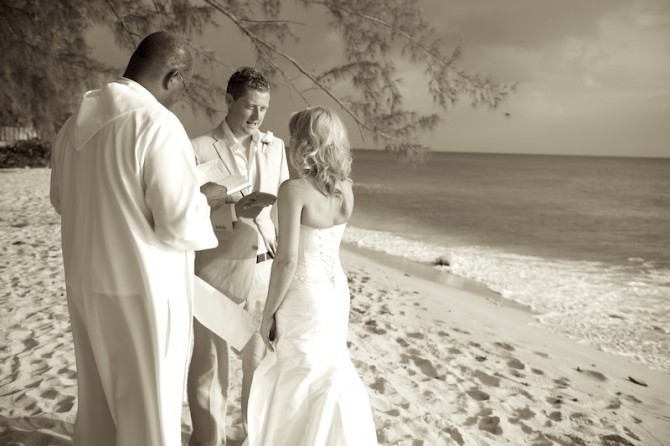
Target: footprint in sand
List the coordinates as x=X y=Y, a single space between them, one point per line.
x=429 y=394
x=427 y=368
x=33 y=385
x=614 y=404
x=504 y=345
x=489 y=423
x=65 y=404
x=386 y=310
x=454 y=351
x=402 y=342
x=615 y=440
x=49 y=394
x=555 y=416
x=522 y=415
x=29 y=344
x=581 y=418
x=477 y=394
x=515 y=364
x=379 y=385
x=47 y=355
x=541 y=440
x=486 y=379
x=630 y=433
x=633 y=399
x=592 y=374
x=563 y=383
x=371 y=325
x=555 y=401
x=38 y=366
x=416 y=335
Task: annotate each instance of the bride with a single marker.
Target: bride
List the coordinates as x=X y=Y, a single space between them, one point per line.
x=306 y=391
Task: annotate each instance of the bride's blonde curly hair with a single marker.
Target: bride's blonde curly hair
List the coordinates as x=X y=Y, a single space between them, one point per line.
x=319 y=148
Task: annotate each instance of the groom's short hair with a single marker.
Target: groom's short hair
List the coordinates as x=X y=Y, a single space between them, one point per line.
x=244 y=79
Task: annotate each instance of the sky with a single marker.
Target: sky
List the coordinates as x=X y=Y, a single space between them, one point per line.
x=592 y=76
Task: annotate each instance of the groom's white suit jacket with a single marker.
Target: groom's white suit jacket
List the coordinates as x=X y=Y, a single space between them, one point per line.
x=229 y=267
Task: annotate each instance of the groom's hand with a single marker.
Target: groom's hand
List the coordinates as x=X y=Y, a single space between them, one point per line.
x=248 y=207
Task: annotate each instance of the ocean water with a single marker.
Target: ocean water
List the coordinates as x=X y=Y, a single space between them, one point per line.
x=583 y=241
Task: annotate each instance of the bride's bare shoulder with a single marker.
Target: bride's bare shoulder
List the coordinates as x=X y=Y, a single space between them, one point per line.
x=293 y=187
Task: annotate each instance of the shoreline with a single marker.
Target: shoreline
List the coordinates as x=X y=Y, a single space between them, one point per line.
x=464 y=288
x=505 y=348
x=587 y=302
x=432 y=273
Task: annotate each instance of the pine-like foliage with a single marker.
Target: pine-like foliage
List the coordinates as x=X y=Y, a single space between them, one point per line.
x=46 y=62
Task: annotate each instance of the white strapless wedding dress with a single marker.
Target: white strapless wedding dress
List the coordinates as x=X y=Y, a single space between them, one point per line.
x=307 y=393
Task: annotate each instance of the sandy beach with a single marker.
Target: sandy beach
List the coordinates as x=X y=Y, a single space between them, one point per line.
x=443 y=363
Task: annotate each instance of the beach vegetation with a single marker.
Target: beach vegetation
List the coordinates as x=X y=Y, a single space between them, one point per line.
x=48 y=62
x=26 y=153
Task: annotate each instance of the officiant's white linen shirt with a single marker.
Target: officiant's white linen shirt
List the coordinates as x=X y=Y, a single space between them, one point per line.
x=124 y=182
x=132 y=216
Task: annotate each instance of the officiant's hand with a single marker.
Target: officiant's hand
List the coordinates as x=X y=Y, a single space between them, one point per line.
x=268 y=332
x=215 y=193
x=248 y=207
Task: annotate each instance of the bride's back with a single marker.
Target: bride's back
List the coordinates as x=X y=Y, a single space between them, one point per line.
x=321 y=211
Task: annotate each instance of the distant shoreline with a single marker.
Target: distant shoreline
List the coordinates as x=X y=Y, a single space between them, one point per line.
x=558 y=155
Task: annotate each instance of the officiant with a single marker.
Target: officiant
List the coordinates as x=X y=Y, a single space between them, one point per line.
x=239 y=268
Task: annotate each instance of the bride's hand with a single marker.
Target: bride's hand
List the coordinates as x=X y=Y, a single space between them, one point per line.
x=268 y=331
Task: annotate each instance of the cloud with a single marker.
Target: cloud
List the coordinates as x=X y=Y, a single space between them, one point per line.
x=518 y=23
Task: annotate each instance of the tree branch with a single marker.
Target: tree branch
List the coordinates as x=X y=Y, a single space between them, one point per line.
x=125 y=27
x=292 y=22
x=258 y=42
x=206 y=55
x=420 y=44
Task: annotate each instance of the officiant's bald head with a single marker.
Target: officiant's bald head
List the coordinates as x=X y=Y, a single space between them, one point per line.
x=162 y=64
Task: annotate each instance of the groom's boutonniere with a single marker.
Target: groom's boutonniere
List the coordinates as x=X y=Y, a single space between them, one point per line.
x=266 y=140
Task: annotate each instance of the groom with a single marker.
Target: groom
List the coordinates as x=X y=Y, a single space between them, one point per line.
x=240 y=266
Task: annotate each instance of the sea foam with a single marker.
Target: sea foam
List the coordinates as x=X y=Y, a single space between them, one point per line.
x=622 y=309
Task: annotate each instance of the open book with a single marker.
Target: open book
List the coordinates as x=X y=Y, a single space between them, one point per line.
x=215 y=172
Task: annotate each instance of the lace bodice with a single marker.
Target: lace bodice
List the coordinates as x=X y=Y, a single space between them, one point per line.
x=318 y=258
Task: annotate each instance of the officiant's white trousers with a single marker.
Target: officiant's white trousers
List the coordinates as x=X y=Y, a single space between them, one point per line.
x=131 y=354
